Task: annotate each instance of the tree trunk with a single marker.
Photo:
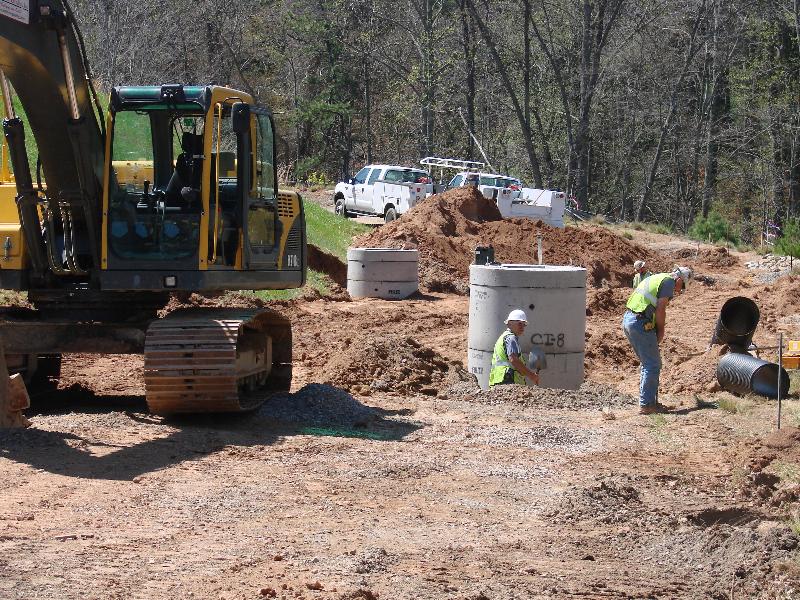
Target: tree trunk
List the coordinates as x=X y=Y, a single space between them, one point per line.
x=508 y=85
x=667 y=124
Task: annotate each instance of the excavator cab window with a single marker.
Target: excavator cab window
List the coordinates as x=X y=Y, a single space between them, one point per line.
x=261 y=214
x=154 y=210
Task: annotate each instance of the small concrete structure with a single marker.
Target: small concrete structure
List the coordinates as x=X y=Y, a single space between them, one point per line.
x=547 y=205
x=553 y=297
x=382 y=273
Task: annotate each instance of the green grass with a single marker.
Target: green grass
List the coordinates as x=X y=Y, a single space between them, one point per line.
x=330 y=232
x=794 y=524
x=735 y=406
x=787 y=471
x=314 y=281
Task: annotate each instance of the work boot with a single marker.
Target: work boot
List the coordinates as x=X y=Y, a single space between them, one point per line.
x=648 y=409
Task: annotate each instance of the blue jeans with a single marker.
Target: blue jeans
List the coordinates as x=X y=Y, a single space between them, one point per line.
x=645 y=344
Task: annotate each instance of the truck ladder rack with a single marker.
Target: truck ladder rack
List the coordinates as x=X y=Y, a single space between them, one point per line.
x=452 y=163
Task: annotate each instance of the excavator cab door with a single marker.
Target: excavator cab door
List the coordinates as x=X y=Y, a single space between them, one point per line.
x=257 y=171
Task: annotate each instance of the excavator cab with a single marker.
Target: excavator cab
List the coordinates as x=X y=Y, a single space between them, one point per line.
x=191 y=185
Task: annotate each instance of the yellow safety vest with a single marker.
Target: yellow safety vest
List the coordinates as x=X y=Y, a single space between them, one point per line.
x=646 y=294
x=501 y=364
x=638 y=278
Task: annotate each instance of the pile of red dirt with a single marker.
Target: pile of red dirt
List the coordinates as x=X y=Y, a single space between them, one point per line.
x=447 y=227
x=391 y=363
x=781 y=297
x=708 y=257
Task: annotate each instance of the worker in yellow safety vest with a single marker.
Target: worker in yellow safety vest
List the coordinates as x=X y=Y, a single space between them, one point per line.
x=643 y=324
x=640 y=267
x=507 y=366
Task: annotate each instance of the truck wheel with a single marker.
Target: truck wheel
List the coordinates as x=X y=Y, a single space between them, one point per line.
x=391 y=215
x=339 y=208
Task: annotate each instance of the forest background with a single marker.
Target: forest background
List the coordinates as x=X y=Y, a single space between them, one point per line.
x=645 y=110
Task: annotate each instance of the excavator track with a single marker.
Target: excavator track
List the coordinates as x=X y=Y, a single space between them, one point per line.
x=216 y=360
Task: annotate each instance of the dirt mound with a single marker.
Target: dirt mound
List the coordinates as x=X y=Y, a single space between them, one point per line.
x=771 y=478
x=178 y=300
x=723 y=556
x=391 y=363
x=606 y=301
x=710 y=257
x=447 y=227
x=781 y=297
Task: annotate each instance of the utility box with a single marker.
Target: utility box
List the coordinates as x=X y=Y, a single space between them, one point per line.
x=791 y=358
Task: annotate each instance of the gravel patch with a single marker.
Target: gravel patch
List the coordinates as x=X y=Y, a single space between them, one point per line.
x=543 y=437
x=589 y=396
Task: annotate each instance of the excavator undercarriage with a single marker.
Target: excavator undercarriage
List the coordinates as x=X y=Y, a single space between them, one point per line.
x=196 y=360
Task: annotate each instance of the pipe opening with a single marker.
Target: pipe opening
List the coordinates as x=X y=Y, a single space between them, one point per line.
x=737 y=322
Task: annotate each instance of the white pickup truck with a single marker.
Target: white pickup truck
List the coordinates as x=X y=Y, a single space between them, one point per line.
x=383 y=190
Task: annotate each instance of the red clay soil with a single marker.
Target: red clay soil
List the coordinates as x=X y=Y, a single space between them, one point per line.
x=391 y=363
x=447 y=227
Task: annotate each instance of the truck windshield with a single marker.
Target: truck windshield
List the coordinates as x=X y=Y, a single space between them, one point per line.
x=155 y=185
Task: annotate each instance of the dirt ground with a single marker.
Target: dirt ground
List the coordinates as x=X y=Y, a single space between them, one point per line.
x=387 y=474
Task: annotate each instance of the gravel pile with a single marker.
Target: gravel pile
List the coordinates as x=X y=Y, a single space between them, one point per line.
x=610 y=500
x=771 y=262
x=318 y=404
x=590 y=395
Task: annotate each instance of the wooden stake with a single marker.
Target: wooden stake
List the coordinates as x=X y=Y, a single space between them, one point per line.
x=13 y=396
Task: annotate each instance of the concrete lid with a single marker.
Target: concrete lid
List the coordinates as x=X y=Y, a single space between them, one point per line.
x=382 y=255
x=536 y=276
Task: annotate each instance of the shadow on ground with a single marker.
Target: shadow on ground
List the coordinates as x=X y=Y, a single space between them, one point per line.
x=100 y=437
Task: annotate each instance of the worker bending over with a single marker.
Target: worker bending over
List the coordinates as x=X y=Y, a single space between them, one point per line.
x=507 y=366
x=640 y=267
x=643 y=324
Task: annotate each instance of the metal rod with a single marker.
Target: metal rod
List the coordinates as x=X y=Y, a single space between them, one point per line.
x=8 y=111
x=780 y=370
x=8 y=105
x=539 y=246
x=68 y=76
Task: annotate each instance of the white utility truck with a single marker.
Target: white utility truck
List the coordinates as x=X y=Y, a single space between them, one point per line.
x=512 y=198
x=383 y=190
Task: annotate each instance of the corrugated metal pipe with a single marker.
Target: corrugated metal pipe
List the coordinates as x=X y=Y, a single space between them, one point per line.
x=742 y=373
x=737 y=323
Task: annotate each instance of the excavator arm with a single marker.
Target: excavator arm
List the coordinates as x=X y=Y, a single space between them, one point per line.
x=41 y=55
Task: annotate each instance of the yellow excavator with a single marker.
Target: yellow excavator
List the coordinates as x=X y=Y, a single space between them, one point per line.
x=174 y=190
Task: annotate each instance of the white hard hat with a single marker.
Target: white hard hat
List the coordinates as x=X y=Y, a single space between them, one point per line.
x=517 y=315
x=684 y=273
x=638 y=264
